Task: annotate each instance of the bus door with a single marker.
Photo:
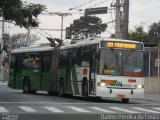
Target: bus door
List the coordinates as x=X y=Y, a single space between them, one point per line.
x=17 y=72
x=45 y=72
x=67 y=83
x=92 y=80
x=87 y=63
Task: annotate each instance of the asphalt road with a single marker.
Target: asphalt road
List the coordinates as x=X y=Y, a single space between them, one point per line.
x=14 y=105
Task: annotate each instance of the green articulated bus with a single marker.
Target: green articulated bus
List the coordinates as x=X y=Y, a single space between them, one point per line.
x=97 y=67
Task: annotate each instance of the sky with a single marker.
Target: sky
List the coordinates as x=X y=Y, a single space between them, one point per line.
x=142 y=12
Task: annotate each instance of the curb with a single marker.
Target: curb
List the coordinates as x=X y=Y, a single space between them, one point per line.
x=148 y=100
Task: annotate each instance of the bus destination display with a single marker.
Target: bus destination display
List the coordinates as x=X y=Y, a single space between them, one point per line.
x=122 y=45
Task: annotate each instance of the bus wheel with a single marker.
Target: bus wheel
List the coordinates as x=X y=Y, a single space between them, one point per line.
x=85 y=88
x=26 y=85
x=33 y=92
x=52 y=93
x=125 y=100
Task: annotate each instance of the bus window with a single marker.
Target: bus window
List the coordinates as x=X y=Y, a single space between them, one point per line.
x=77 y=57
x=132 y=63
x=110 y=62
x=31 y=61
x=86 y=59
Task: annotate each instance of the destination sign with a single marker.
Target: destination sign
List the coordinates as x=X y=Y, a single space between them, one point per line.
x=122 y=45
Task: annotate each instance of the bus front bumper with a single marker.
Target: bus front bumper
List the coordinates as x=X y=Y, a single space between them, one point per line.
x=120 y=93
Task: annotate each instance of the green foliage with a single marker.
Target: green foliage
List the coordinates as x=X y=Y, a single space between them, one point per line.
x=112 y=36
x=154 y=33
x=91 y=24
x=23 y=14
x=138 y=34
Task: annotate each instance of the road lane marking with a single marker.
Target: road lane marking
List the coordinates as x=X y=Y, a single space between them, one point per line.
x=124 y=110
x=27 y=109
x=68 y=103
x=102 y=110
x=53 y=109
x=77 y=109
x=156 y=108
x=3 y=110
x=146 y=110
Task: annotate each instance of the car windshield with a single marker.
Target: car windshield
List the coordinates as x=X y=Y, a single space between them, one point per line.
x=121 y=62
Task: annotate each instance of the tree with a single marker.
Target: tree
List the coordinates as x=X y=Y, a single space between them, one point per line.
x=154 y=33
x=86 y=26
x=23 y=14
x=138 y=34
x=22 y=40
x=16 y=41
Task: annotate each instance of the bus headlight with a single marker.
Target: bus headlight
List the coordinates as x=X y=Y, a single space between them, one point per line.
x=103 y=84
x=140 y=86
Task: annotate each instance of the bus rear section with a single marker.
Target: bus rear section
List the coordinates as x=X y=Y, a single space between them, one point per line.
x=121 y=71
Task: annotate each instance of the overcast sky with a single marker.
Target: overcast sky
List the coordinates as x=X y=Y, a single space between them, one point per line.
x=142 y=12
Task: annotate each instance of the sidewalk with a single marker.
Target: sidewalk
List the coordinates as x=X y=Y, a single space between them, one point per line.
x=1 y=76
x=154 y=97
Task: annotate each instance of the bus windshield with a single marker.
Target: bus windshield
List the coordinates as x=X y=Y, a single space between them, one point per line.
x=121 y=62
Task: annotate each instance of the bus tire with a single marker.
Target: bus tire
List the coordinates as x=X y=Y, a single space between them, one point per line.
x=125 y=100
x=85 y=88
x=33 y=92
x=50 y=93
x=26 y=85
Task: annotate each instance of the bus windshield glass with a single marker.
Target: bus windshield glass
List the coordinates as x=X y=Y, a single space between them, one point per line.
x=121 y=62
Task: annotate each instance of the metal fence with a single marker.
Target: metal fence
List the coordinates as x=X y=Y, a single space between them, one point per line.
x=152 y=62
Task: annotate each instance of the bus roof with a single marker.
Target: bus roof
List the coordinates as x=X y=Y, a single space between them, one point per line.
x=84 y=42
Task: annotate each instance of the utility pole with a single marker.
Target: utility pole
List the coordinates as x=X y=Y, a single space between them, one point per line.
x=62 y=26
x=121 y=29
x=118 y=31
x=125 y=19
x=2 y=43
x=62 y=18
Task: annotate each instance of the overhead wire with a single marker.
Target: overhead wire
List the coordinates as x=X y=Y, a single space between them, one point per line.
x=39 y=31
x=99 y=3
x=84 y=4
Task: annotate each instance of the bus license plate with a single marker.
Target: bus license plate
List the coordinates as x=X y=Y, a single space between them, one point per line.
x=120 y=96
